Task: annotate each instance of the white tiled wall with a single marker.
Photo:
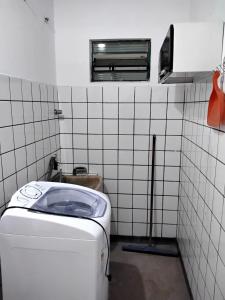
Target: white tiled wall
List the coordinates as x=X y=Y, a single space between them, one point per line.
x=201 y=218
x=29 y=133
x=109 y=130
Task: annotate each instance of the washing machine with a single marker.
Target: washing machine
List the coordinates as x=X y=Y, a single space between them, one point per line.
x=54 y=243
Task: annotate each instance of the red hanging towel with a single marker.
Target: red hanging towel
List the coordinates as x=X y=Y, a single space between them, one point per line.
x=216 y=108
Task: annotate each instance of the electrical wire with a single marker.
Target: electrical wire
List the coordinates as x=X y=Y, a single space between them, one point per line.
x=76 y=217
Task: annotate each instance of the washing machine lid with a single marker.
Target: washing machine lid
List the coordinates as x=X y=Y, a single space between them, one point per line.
x=71 y=202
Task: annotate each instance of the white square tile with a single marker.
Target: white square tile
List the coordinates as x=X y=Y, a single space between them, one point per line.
x=175 y=111
x=140 y=187
x=32 y=172
x=15 y=89
x=28 y=112
x=158 y=110
x=95 y=156
x=141 y=158
x=110 y=171
x=125 y=172
x=26 y=90
x=79 y=110
x=94 y=110
x=124 y=229
x=66 y=141
x=6 y=138
x=140 y=201
x=139 y=215
x=39 y=149
x=126 y=126
x=170 y=202
x=66 y=109
x=110 y=142
x=40 y=168
x=126 y=142
x=172 y=173
x=95 y=94
x=142 y=93
x=159 y=93
x=5 y=113
x=110 y=110
x=17 y=112
x=126 y=111
x=67 y=156
x=125 y=201
x=79 y=94
x=64 y=93
x=37 y=111
x=141 y=172
x=44 y=110
x=125 y=157
x=19 y=136
x=171 y=188
x=94 y=126
x=174 y=127
x=126 y=93
x=8 y=164
x=29 y=134
x=4 y=88
x=47 y=148
x=79 y=126
x=124 y=215
x=20 y=158
x=141 y=142
x=38 y=132
x=158 y=172
x=80 y=156
x=10 y=187
x=110 y=93
x=176 y=93
x=172 y=158
x=142 y=111
x=94 y=141
x=158 y=127
x=31 y=154
x=141 y=126
x=110 y=126
x=125 y=186
x=110 y=157
x=173 y=143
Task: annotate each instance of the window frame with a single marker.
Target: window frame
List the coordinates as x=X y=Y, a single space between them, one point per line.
x=91 y=45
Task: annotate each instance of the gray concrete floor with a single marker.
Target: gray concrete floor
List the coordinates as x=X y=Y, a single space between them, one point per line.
x=137 y=276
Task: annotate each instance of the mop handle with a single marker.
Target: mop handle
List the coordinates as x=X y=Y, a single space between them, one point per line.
x=152 y=186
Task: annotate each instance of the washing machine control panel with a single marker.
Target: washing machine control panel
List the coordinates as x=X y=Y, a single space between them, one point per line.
x=31 y=192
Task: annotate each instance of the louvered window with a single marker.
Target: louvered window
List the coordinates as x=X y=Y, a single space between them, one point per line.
x=120 y=60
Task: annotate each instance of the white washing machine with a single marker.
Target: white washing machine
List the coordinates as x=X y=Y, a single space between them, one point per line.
x=54 y=243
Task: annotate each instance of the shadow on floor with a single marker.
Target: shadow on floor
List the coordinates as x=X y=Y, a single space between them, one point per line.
x=126 y=282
